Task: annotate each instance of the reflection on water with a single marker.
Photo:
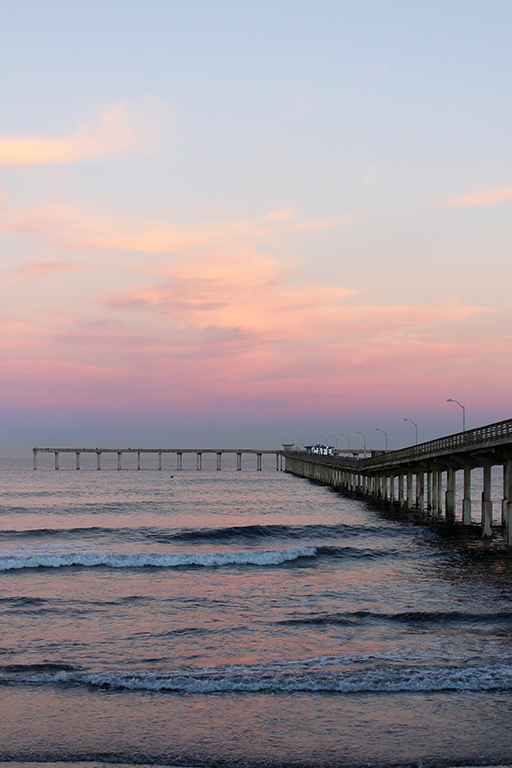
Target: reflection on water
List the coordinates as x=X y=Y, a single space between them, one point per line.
x=219 y=618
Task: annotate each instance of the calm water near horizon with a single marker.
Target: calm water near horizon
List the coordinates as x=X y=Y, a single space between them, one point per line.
x=244 y=618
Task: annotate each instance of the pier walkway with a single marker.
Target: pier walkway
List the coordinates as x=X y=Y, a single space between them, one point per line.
x=415 y=477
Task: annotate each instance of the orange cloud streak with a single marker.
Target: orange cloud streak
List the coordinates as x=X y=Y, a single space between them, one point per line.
x=484 y=198
x=63 y=226
x=113 y=136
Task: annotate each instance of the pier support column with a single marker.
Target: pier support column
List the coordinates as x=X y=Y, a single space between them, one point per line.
x=77 y=463
x=401 y=490
x=429 y=490
x=138 y=459
x=487 y=503
x=439 y=499
x=119 y=460
x=277 y=462
x=179 y=460
x=56 y=459
x=219 y=460
x=392 y=489
x=258 y=462
x=409 y=490
x=466 y=501
x=199 y=461
x=506 y=498
x=98 y=459
x=450 y=495
x=238 y=461
x=420 y=491
x=35 y=458
x=435 y=492
x=508 y=519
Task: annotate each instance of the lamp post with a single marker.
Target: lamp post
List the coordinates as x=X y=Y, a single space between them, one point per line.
x=335 y=439
x=323 y=437
x=364 y=442
x=348 y=438
x=415 y=427
x=377 y=429
x=451 y=400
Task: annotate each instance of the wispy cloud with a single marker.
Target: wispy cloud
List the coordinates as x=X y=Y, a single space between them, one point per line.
x=120 y=131
x=64 y=226
x=480 y=198
x=255 y=293
x=41 y=267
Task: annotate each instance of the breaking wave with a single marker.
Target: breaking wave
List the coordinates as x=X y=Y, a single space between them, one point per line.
x=154 y=559
x=384 y=678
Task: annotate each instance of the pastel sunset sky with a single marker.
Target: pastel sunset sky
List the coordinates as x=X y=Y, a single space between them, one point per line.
x=242 y=222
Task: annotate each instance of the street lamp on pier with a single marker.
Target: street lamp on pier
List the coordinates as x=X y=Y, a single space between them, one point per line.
x=348 y=438
x=364 y=442
x=377 y=429
x=335 y=439
x=415 y=427
x=451 y=400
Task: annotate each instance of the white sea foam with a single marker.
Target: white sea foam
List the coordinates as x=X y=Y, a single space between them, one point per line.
x=382 y=679
x=153 y=559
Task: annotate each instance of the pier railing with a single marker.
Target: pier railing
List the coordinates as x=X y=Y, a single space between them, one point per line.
x=489 y=436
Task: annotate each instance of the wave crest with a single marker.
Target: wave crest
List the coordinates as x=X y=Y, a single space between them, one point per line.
x=382 y=679
x=155 y=559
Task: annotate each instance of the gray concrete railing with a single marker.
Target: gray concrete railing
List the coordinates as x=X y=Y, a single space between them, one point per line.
x=498 y=433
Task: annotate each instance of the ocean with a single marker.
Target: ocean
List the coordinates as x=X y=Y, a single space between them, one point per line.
x=205 y=618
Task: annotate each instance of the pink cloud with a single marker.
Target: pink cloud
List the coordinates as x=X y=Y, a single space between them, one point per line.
x=483 y=198
x=221 y=322
x=41 y=267
x=253 y=292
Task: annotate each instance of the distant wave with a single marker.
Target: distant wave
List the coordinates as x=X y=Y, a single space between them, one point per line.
x=254 y=532
x=155 y=560
x=236 y=533
x=371 y=679
x=356 y=618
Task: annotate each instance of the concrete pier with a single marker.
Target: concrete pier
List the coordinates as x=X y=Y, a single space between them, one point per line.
x=435 y=464
x=140 y=452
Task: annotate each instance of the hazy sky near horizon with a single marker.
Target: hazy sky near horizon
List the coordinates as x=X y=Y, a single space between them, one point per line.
x=242 y=220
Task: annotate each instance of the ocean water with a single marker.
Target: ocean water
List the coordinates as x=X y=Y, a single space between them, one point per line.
x=243 y=619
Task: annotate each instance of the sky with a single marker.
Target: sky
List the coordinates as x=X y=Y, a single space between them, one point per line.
x=248 y=222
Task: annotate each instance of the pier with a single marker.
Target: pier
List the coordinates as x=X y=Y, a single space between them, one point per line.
x=420 y=478
x=414 y=478
x=140 y=452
